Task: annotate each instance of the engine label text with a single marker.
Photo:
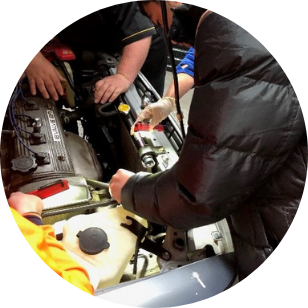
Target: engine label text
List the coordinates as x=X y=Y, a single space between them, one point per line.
x=53 y=125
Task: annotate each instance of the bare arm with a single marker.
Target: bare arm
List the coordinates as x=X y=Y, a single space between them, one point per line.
x=186 y=82
x=133 y=57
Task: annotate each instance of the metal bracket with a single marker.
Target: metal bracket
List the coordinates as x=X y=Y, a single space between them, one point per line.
x=143 y=242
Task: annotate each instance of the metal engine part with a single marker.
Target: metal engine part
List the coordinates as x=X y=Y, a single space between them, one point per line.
x=38 y=150
x=39 y=146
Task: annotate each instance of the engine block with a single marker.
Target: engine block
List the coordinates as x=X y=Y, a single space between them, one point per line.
x=40 y=149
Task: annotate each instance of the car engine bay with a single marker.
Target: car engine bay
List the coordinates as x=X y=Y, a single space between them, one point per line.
x=44 y=143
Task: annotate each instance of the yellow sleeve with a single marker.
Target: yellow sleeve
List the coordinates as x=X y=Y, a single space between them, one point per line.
x=42 y=240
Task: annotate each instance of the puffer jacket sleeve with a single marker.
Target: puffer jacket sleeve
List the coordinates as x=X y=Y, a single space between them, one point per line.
x=244 y=122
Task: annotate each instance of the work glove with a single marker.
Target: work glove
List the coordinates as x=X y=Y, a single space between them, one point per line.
x=155 y=112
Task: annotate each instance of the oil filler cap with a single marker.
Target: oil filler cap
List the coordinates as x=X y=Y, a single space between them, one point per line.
x=24 y=163
x=93 y=240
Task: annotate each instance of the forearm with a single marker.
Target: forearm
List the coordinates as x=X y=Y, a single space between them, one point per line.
x=133 y=58
x=186 y=82
x=166 y=203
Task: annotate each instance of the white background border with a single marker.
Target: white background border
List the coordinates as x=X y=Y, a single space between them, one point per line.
x=281 y=26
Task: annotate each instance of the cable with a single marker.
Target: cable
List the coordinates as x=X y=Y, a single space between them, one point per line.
x=24 y=115
x=175 y=77
x=16 y=93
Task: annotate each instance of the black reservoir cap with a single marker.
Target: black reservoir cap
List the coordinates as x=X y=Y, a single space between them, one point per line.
x=93 y=240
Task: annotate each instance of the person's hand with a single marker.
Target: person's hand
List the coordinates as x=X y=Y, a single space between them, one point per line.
x=42 y=75
x=156 y=112
x=24 y=203
x=117 y=181
x=109 y=88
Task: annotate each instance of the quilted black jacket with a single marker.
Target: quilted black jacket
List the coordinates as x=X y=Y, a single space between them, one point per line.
x=245 y=153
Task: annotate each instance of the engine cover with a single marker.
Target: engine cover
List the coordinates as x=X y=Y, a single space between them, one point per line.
x=41 y=149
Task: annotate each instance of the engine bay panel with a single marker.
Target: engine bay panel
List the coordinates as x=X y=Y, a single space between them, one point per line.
x=85 y=144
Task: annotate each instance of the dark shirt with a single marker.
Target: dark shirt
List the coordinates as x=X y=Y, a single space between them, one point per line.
x=108 y=29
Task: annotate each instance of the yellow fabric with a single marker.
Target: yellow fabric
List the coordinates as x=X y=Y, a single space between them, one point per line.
x=43 y=241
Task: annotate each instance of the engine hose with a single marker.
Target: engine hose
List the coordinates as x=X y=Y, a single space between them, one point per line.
x=171 y=56
x=101 y=110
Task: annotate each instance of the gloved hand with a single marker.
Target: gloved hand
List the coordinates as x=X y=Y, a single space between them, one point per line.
x=155 y=112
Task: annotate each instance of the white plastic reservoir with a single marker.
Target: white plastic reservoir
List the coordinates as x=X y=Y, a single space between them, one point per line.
x=105 y=268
